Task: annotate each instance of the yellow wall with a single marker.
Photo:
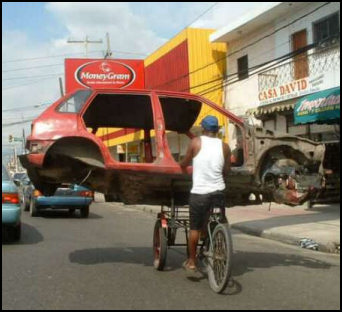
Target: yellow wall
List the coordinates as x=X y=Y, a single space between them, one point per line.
x=167 y=47
x=207 y=66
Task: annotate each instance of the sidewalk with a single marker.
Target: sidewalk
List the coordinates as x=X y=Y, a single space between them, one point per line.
x=291 y=225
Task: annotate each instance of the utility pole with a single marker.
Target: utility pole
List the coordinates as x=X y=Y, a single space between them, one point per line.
x=61 y=86
x=108 y=52
x=24 y=141
x=15 y=158
x=86 y=42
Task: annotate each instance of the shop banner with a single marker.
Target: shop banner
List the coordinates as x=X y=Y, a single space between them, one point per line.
x=320 y=107
x=104 y=74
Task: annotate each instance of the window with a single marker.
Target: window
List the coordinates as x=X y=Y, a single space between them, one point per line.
x=180 y=115
x=182 y=118
x=125 y=123
x=300 y=61
x=243 y=67
x=327 y=29
x=74 y=103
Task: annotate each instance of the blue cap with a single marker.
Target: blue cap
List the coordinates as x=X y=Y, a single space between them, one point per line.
x=210 y=123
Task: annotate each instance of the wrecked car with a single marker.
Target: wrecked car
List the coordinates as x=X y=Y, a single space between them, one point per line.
x=127 y=144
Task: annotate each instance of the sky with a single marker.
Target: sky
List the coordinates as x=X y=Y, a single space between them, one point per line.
x=34 y=43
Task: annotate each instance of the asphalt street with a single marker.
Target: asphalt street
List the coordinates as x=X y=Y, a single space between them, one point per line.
x=105 y=262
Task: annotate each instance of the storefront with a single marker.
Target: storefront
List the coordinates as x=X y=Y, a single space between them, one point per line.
x=319 y=109
x=315 y=116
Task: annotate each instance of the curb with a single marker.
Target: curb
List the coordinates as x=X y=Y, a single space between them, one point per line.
x=330 y=247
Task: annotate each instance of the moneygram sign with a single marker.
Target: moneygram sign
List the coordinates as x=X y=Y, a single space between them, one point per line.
x=103 y=74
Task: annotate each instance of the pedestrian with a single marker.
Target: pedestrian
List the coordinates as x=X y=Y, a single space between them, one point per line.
x=211 y=163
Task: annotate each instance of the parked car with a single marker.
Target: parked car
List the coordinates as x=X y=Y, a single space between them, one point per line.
x=26 y=191
x=11 y=212
x=69 y=197
x=65 y=146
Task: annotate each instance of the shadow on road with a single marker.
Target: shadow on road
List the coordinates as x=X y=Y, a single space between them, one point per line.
x=244 y=261
x=29 y=235
x=65 y=214
x=139 y=255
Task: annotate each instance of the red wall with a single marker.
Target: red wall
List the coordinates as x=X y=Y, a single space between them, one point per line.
x=171 y=71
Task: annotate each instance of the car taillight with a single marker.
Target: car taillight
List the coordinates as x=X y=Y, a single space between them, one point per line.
x=86 y=194
x=10 y=198
x=37 y=193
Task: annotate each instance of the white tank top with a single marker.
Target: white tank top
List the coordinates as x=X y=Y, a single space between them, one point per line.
x=207 y=175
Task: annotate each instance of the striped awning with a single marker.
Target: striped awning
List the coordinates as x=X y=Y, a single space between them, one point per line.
x=269 y=109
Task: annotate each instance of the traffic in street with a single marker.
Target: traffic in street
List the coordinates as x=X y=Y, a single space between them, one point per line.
x=106 y=262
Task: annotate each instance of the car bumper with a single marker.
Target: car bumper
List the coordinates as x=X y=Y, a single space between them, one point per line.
x=10 y=214
x=60 y=201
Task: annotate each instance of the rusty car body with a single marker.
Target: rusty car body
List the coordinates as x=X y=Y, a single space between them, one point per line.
x=64 y=148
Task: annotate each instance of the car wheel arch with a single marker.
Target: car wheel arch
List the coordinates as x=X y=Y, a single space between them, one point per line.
x=266 y=157
x=80 y=148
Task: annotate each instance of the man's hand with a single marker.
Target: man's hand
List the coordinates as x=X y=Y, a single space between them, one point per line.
x=227 y=163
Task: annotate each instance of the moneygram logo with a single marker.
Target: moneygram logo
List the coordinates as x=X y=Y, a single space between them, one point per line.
x=105 y=74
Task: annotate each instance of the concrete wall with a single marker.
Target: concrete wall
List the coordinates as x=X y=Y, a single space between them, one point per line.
x=243 y=95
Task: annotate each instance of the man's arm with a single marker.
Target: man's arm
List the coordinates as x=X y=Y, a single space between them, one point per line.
x=191 y=152
x=226 y=155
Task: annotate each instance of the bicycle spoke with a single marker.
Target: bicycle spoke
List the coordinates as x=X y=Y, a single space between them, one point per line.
x=219 y=257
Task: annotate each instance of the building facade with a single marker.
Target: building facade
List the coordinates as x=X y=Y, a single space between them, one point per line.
x=267 y=72
x=279 y=55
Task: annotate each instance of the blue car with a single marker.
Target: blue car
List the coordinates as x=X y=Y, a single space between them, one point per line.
x=11 y=212
x=69 y=197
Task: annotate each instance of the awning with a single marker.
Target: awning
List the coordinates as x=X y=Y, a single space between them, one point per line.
x=319 y=107
x=269 y=109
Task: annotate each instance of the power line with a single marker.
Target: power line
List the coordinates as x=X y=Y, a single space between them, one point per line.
x=33 y=67
x=44 y=57
x=195 y=19
x=281 y=28
x=254 y=42
x=272 y=63
x=24 y=84
x=278 y=59
x=66 y=55
x=198 y=17
x=17 y=122
x=61 y=64
x=38 y=76
x=234 y=80
x=25 y=107
x=125 y=52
